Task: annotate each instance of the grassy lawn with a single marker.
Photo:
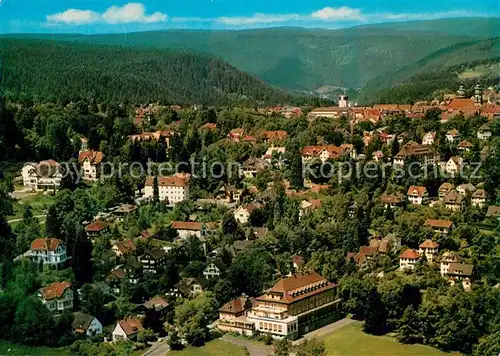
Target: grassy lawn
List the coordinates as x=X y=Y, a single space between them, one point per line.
x=7 y=348
x=351 y=341
x=39 y=204
x=212 y=348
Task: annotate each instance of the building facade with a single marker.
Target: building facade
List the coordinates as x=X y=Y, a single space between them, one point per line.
x=172 y=189
x=57 y=297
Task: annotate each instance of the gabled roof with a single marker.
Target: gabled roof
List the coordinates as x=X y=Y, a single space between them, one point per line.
x=55 y=290
x=465 y=144
x=172 y=181
x=461 y=269
x=126 y=246
x=209 y=126
x=157 y=303
x=96 y=226
x=131 y=326
x=429 y=244
x=333 y=151
x=446 y=187
x=416 y=190
x=410 y=254
x=461 y=104
x=275 y=135
x=484 y=128
x=479 y=194
x=94 y=157
x=46 y=244
x=493 y=211
x=444 y=224
x=81 y=322
x=187 y=225
x=155 y=253
x=392 y=198
x=453 y=198
x=298 y=260
x=236 y=306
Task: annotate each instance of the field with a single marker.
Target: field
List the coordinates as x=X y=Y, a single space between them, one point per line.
x=7 y=348
x=212 y=348
x=39 y=204
x=479 y=71
x=351 y=341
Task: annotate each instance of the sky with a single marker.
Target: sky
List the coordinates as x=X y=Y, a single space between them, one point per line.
x=114 y=16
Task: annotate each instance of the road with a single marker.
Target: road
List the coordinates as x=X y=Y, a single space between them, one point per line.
x=253 y=348
x=325 y=330
x=159 y=348
x=35 y=216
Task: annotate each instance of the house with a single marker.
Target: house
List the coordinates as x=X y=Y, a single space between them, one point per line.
x=274 y=152
x=45 y=175
x=214 y=269
x=57 y=297
x=97 y=228
x=294 y=305
x=484 y=132
x=392 y=201
x=153 y=260
x=412 y=150
x=429 y=249
x=321 y=153
x=378 y=156
x=173 y=190
x=429 y=138
x=91 y=164
x=493 y=212
x=452 y=136
x=236 y=135
x=209 y=126
x=479 y=198
x=329 y=112
x=158 y=136
x=297 y=263
x=126 y=329
x=464 y=146
x=188 y=287
x=274 y=136
x=242 y=214
x=385 y=245
x=123 y=248
x=442 y=227
x=157 y=304
x=193 y=228
x=133 y=269
x=447 y=258
x=408 y=259
x=466 y=188
x=418 y=195
x=48 y=251
x=454 y=201
x=461 y=273
x=363 y=257
x=123 y=210
x=308 y=206
x=114 y=279
x=252 y=166
x=445 y=189
x=233 y=318
x=454 y=165
x=86 y=324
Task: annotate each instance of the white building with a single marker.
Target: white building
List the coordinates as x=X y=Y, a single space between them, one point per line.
x=86 y=324
x=174 y=189
x=479 y=198
x=446 y=259
x=454 y=165
x=429 y=138
x=90 y=161
x=466 y=188
x=242 y=214
x=49 y=251
x=429 y=249
x=408 y=259
x=484 y=132
x=45 y=175
x=57 y=297
x=418 y=195
x=126 y=329
x=214 y=269
x=452 y=136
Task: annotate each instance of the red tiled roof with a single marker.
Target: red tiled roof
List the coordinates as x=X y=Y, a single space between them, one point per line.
x=416 y=190
x=126 y=246
x=209 y=126
x=429 y=244
x=96 y=226
x=275 y=135
x=131 y=326
x=299 y=261
x=410 y=254
x=446 y=224
x=94 y=157
x=296 y=282
x=235 y=306
x=187 y=225
x=172 y=181
x=461 y=104
x=49 y=244
x=332 y=150
x=465 y=144
x=55 y=290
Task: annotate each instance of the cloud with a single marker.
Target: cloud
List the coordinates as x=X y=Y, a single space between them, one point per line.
x=129 y=13
x=132 y=12
x=258 y=18
x=343 y=13
x=74 y=17
x=424 y=16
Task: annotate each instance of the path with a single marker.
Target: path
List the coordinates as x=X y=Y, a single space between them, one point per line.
x=325 y=330
x=159 y=348
x=35 y=216
x=253 y=348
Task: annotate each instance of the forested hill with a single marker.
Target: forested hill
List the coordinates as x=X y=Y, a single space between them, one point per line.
x=53 y=70
x=438 y=71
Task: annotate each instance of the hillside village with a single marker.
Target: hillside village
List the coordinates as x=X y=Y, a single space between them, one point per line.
x=293 y=235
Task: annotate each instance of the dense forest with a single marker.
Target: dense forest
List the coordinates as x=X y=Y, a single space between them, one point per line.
x=53 y=71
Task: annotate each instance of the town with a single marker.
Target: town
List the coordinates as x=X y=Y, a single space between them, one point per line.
x=275 y=246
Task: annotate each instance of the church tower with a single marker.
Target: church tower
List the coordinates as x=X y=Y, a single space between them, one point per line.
x=461 y=92
x=478 y=94
x=84 y=146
